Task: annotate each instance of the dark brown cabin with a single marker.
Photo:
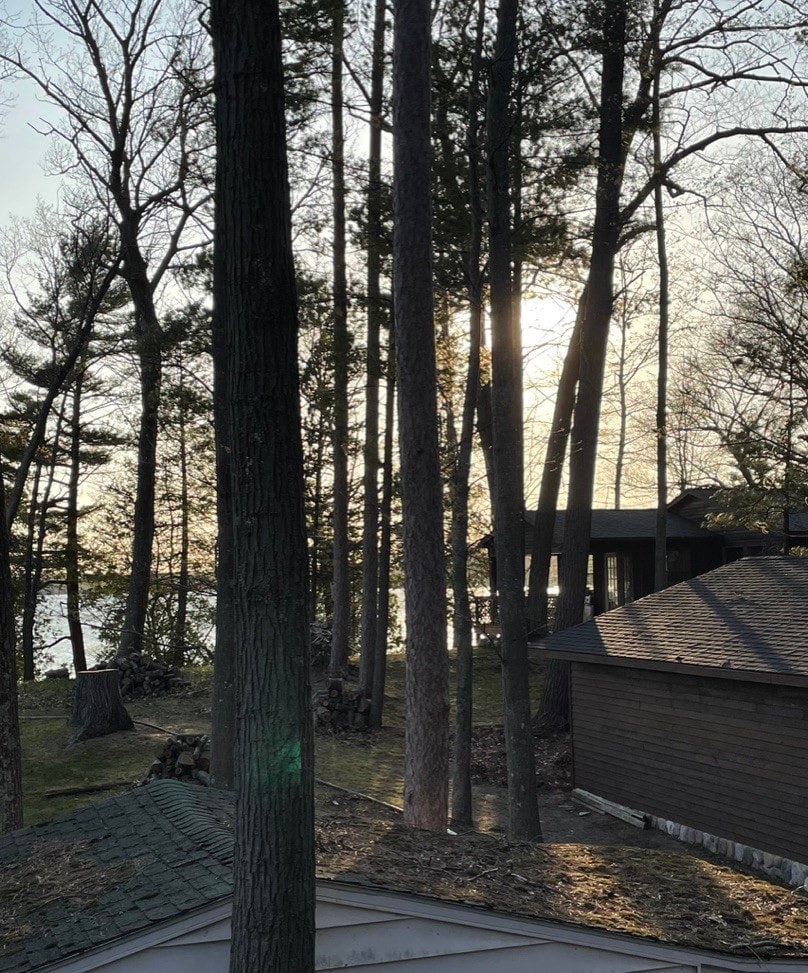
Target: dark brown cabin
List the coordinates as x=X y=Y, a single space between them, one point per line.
x=691 y=705
x=621 y=550
x=622 y=545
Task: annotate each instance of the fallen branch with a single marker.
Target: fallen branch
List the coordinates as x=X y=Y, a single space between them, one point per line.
x=90 y=789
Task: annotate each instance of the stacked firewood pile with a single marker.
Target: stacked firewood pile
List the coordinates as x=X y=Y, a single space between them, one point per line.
x=338 y=708
x=140 y=677
x=183 y=757
x=320 y=645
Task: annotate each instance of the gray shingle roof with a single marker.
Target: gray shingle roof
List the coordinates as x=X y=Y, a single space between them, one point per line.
x=629 y=525
x=748 y=619
x=111 y=870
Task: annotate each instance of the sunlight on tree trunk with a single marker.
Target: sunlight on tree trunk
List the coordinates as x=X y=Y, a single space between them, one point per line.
x=506 y=388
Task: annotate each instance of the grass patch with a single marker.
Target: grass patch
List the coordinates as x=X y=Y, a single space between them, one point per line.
x=373 y=764
x=487 y=686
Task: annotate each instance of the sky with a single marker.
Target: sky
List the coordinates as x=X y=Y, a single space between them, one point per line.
x=22 y=154
x=22 y=150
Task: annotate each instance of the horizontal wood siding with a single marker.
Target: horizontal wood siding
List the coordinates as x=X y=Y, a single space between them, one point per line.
x=726 y=757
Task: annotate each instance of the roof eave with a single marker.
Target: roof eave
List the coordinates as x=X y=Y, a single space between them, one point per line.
x=682 y=668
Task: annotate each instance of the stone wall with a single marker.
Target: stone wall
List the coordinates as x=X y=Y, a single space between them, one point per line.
x=783 y=869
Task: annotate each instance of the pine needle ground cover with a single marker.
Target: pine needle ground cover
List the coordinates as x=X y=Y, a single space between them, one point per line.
x=674 y=897
x=679 y=896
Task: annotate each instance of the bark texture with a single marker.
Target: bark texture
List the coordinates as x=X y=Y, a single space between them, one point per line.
x=98 y=709
x=427 y=751
x=254 y=291
x=506 y=387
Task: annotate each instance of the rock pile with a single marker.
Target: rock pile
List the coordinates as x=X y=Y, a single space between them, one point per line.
x=140 y=677
x=184 y=758
x=338 y=708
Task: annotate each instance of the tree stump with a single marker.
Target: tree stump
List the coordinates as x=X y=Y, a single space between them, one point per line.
x=97 y=705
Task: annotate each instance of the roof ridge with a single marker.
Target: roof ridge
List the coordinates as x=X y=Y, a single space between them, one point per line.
x=191 y=810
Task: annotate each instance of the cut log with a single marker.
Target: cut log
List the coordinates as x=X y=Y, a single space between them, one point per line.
x=61 y=673
x=97 y=705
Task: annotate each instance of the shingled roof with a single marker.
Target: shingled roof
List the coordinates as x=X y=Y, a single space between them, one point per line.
x=629 y=525
x=112 y=870
x=745 y=620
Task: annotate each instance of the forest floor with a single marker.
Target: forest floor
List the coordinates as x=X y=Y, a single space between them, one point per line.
x=593 y=869
x=673 y=896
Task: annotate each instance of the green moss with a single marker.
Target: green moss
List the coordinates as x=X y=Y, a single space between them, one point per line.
x=370 y=765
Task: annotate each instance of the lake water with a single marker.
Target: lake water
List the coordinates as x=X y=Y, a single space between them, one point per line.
x=52 y=634
x=52 y=631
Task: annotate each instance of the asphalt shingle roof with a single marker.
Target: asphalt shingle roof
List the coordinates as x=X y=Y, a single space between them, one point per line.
x=629 y=525
x=111 y=870
x=748 y=619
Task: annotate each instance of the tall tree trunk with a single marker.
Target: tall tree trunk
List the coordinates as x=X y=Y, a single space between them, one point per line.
x=35 y=552
x=341 y=584
x=386 y=515
x=254 y=291
x=72 y=528
x=427 y=745
x=622 y=389
x=661 y=546
x=594 y=340
x=29 y=592
x=462 y=811
x=462 y=622
x=10 y=750
x=62 y=372
x=149 y=349
x=223 y=704
x=506 y=359
x=544 y=524
x=370 y=513
x=316 y=524
x=179 y=634
x=485 y=431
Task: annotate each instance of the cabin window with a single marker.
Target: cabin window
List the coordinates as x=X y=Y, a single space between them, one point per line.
x=619 y=580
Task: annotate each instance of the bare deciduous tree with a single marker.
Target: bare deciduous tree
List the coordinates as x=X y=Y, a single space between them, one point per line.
x=127 y=80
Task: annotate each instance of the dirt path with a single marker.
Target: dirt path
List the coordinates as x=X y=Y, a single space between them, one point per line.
x=564 y=821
